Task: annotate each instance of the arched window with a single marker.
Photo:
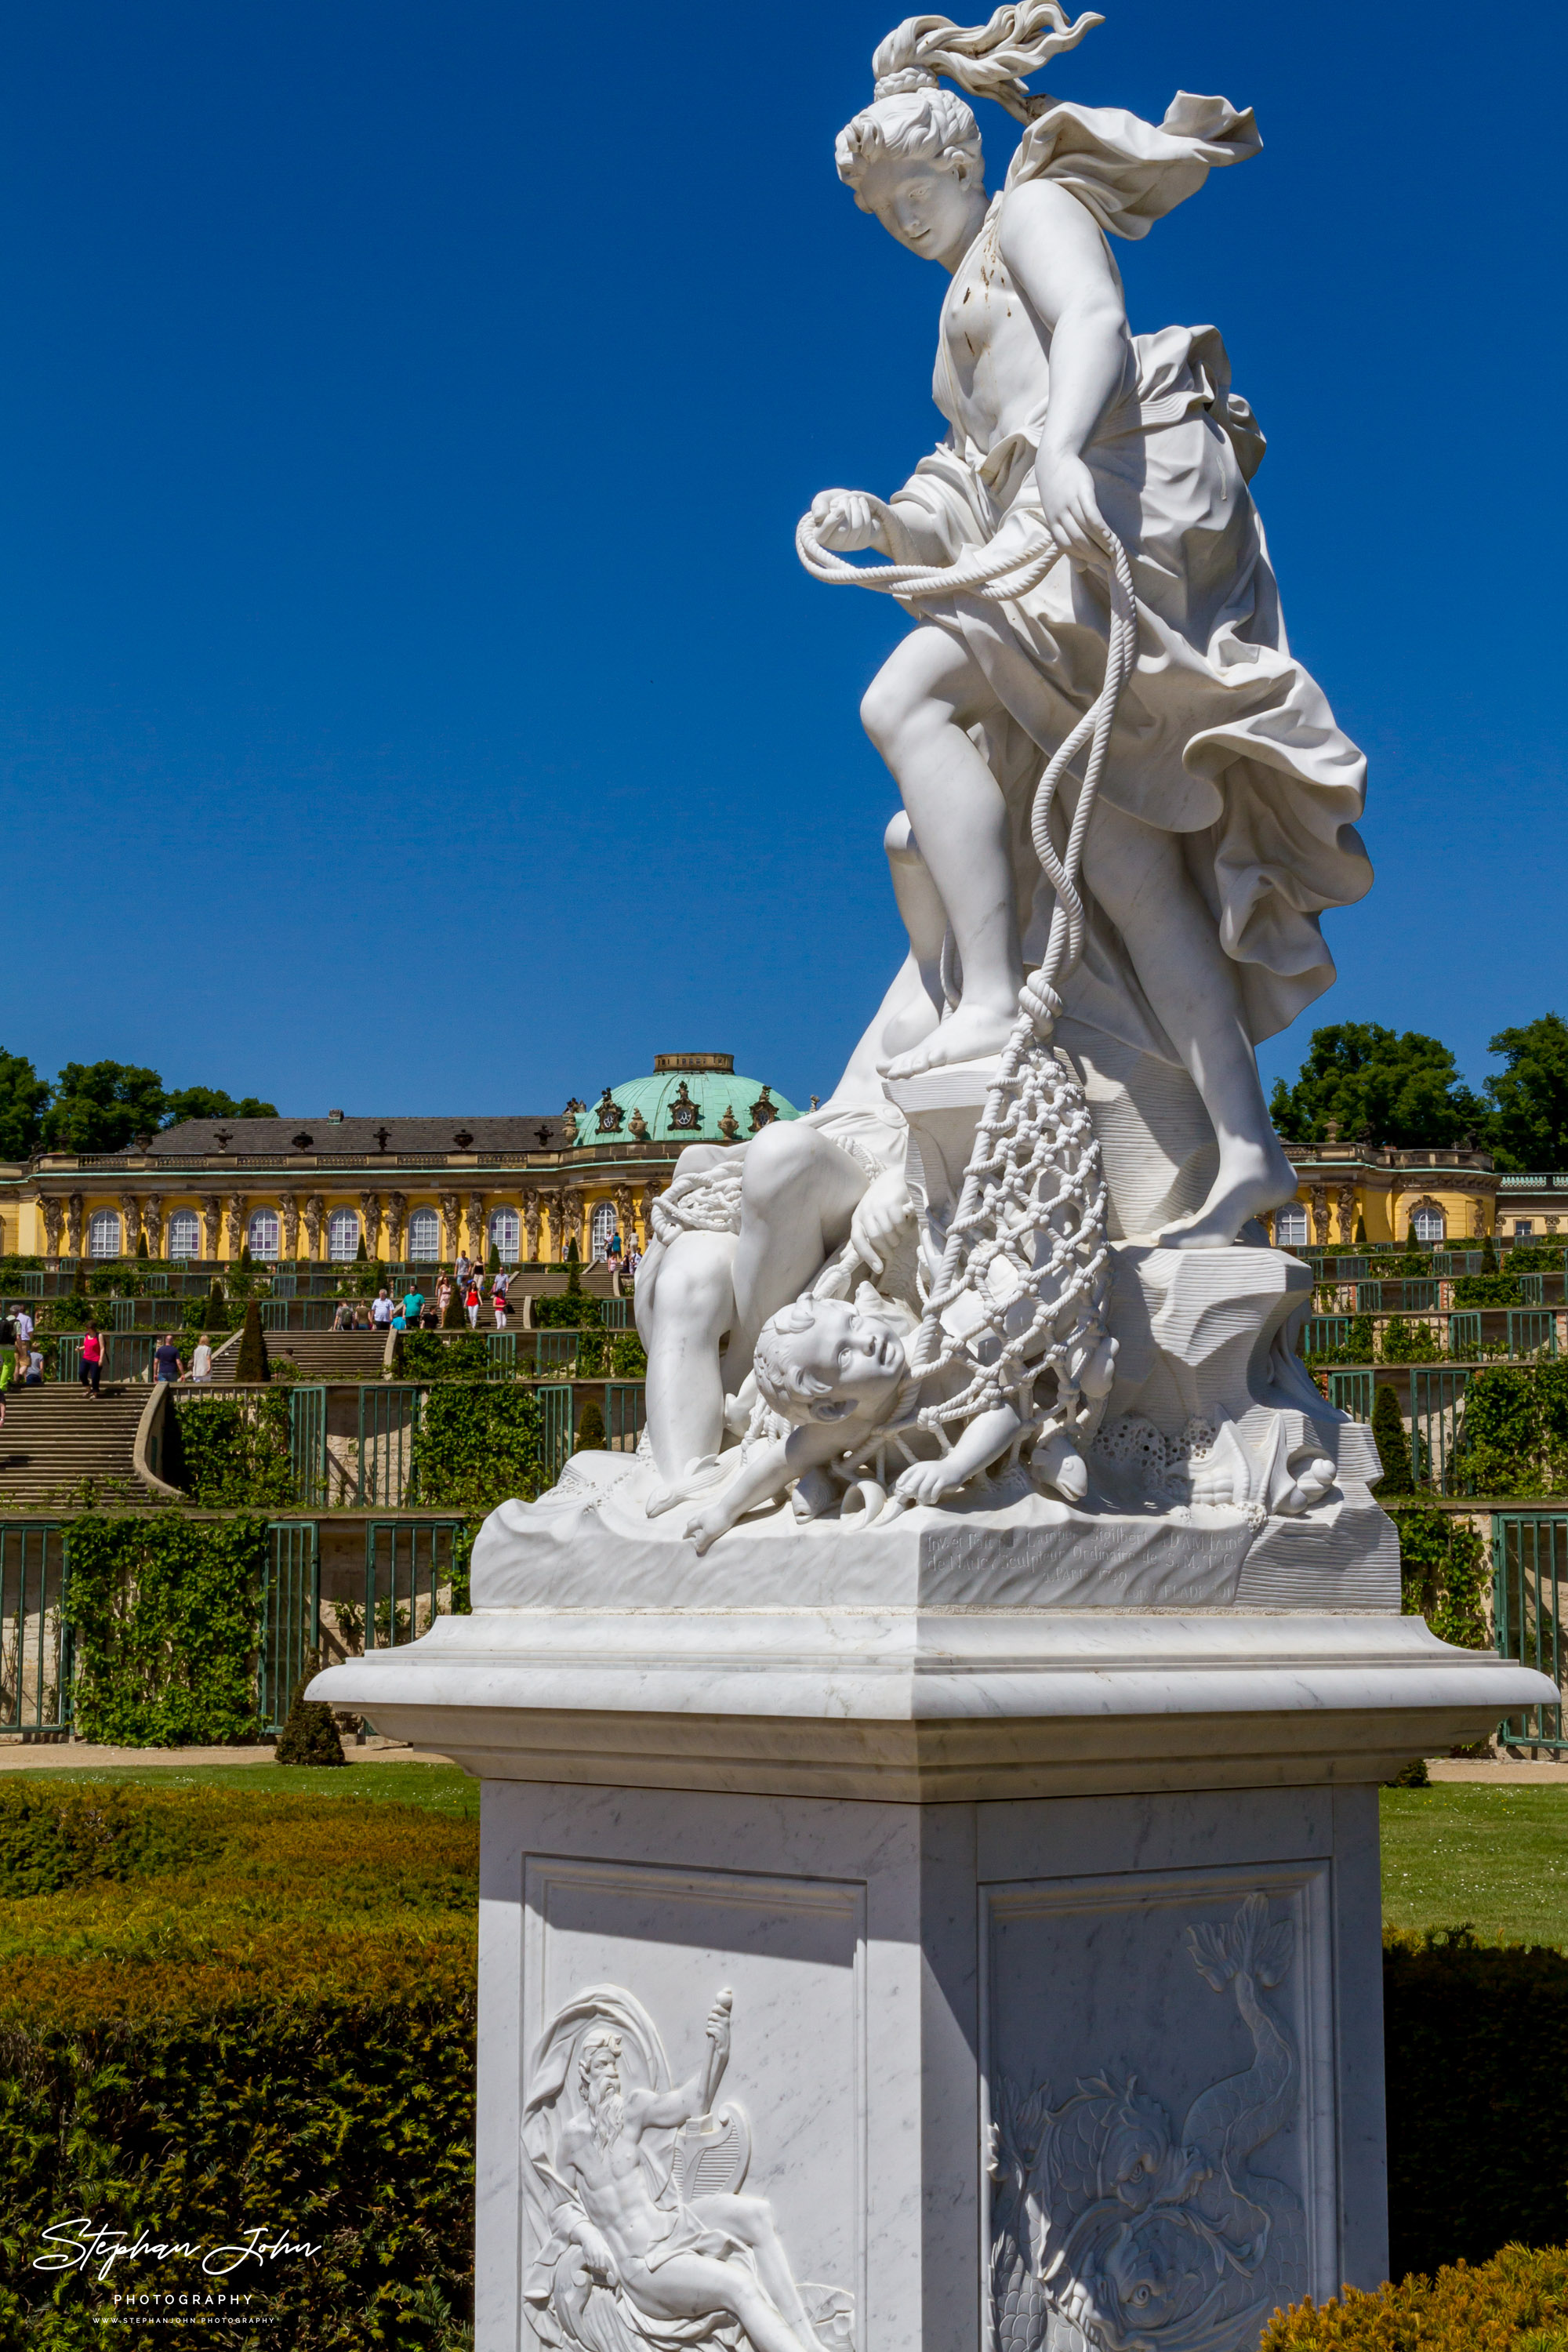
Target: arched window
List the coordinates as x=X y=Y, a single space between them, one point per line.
x=262 y=1233
x=505 y=1234
x=1430 y=1224
x=342 y=1234
x=425 y=1236
x=103 y=1233
x=602 y=1225
x=185 y=1233
x=1290 y=1226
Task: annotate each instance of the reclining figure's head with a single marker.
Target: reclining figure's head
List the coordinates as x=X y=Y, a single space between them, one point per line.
x=828 y=1359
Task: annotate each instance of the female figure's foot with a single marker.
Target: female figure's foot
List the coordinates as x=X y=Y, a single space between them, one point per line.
x=975 y=1033
x=1252 y=1179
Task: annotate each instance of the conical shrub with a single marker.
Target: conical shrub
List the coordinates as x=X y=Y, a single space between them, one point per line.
x=453 y=1318
x=1393 y=1445
x=309 y=1735
x=253 y=1362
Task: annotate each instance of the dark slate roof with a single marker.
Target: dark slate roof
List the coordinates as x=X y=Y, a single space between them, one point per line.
x=260 y=1136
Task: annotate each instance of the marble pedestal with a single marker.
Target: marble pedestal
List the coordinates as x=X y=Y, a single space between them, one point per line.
x=1044 y=1938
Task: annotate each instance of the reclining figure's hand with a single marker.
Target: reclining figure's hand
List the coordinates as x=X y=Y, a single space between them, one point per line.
x=881 y=1215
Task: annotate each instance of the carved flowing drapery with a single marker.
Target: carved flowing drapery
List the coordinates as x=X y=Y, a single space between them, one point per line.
x=212 y=1223
x=131 y=1223
x=624 y=1215
x=1347 y=1214
x=237 y=1205
x=530 y=1225
x=397 y=1222
x=451 y=1223
x=76 y=1210
x=569 y=1223
x=479 y=1245
x=1321 y=1232
x=315 y=1221
x=153 y=1223
x=288 y=1206
x=370 y=1222
x=1478 y=1219
x=53 y=1225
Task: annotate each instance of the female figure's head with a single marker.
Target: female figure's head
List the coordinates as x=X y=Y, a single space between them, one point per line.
x=912 y=156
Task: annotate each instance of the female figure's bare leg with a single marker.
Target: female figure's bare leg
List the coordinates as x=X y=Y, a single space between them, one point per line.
x=685 y=1304
x=800 y=1194
x=916 y=710
x=1141 y=879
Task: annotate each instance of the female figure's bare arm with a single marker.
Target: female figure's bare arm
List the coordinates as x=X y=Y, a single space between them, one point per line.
x=1058 y=257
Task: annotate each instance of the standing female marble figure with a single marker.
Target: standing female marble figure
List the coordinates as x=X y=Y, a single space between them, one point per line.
x=1224 y=825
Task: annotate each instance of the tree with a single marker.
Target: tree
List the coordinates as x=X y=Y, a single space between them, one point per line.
x=590 y=1438
x=309 y=1736
x=1529 y=1127
x=1393 y=1446
x=211 y=1102
x=1404 y=1088
x=24 y=1097
x=253 y=1363
x=453 y=1318
x=102 y=1107
x=1360 y=1233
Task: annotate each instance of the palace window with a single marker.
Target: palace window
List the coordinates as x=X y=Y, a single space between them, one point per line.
x=505 y=1234
x=601 y=1226
x=1523 y=1226
x=425 y=1236
x=103 y=1233
x=262 y=1233
x=1290 y=1226
x=185 y=1233
x=342 y=1234
x=1430 y=1224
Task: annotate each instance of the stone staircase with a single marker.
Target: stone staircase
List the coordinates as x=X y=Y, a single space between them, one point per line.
x=56 y=1436
x=320 y=1355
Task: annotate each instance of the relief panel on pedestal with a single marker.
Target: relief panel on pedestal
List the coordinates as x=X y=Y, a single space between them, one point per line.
x=1159 y=2133
x=694 y=2109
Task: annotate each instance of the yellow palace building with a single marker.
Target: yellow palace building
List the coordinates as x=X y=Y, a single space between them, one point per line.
x=413 y=1189
x=1451 y=1196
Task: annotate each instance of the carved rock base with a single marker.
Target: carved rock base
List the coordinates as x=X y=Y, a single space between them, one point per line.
x=877 y=1952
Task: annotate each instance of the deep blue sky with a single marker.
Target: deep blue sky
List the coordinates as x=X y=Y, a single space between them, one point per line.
x=409 y=697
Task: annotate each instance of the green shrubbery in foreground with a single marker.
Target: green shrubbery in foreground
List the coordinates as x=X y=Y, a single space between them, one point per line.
x=1516 y=2303
x=220 y=2008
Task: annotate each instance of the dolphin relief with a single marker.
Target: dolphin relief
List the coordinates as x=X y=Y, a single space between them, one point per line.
x=1113 y=2233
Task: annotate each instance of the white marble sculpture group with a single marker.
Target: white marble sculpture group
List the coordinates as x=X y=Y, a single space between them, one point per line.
x=1125 y=805
x=986 y=1662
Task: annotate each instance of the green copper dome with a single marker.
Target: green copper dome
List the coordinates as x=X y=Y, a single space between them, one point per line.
x=685 y=1102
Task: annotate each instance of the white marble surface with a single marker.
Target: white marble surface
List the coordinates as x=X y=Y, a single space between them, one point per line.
x=885 y=1962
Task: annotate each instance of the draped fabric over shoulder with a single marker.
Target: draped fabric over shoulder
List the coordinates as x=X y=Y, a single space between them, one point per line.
x=1222 y=737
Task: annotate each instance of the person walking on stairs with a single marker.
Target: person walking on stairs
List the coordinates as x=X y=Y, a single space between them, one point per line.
x=91 y=1359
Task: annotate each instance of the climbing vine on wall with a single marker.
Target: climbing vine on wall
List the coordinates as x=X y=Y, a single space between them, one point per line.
x=163 y=1610
x=475 y=1448
x=1514 y=1438
x=227 y=1452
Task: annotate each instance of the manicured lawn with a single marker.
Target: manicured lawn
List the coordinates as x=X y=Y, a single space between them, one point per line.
x=439 y=1788
x=1497 y=1858
x=1494 y=1858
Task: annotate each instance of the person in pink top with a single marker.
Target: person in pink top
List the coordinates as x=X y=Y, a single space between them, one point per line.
x=91 y=1359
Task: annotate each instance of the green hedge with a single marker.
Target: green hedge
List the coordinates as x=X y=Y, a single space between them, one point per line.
x=1476 y=2040
x=163 y=1611
x=437 y=1355
x=220 y=2010
x=1516 y=2303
